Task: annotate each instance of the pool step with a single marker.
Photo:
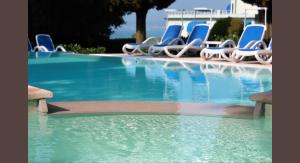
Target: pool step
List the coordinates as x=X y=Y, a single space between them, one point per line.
x=263 y=101
x=182 y=108
x=38 y=97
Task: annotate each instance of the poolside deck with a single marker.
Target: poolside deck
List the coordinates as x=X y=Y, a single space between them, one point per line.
x=197 y=60
x=88 y=107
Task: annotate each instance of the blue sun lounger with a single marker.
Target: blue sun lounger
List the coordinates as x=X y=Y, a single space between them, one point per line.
x=45 y=44
x=171 y=35
x=29 y=46
x=251 y=34
x=195 y=42
x=263 y=55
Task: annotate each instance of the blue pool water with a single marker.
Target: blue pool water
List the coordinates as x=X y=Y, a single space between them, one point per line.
x=148 y=138
x=89 y=78
x=137 y=137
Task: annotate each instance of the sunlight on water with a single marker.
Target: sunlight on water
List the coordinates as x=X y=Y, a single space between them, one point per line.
x=83 y=78
x=150 y=138
x=145 y=138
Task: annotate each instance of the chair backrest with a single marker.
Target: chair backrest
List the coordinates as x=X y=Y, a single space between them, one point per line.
x=192 y=24
x=172 y=32
x=45 y=40
x=253 y=32
x=29 y=46
x=200 y=31
x=270 y=44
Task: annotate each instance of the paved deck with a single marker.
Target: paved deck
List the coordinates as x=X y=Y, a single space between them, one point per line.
x=198 y=60
x=58 y=108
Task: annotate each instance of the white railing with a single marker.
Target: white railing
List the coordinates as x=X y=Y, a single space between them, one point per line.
x=203 y=14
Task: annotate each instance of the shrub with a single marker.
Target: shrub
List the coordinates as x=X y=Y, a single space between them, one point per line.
x=227 y=28
x=82 y=50
x=115 y=45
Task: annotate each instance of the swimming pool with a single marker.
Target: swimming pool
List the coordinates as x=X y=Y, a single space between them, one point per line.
x=119 y=137
x=90 y=78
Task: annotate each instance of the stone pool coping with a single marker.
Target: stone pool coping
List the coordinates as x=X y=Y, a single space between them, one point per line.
x=263 y=100
x=155 y=107
x=38 y=97
x=197 y=60
x=37 y=101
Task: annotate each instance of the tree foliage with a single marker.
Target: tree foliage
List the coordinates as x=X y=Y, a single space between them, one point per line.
x=87 y=22
x=141 y=8
x=227 y=28
x=263 y=3
x=138 y=5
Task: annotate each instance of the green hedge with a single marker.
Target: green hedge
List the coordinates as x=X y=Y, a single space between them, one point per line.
x=82 y=50
x=228 y=28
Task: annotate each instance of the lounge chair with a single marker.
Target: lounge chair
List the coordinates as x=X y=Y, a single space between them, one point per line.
x=192 y=24
x=263 y=56
x=29 y=46
x=195 y=42
x=170 y=36
x=251 y=34
x=45 y=44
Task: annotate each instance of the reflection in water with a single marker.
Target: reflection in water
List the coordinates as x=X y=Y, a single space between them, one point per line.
x=206 y=82
x=87 y=78
x=130 y=65
x=148 y=138
x=42 y=55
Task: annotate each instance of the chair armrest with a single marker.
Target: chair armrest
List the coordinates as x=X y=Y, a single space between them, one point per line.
x=150 y=41
x=40 y=49
x=60 y=48
x=250 y=45
x=203 y=43
x=176 y=41
x=257 y=44
x=228 y=43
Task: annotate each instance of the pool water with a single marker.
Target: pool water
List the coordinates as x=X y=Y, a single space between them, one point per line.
x=148 y=138
x=90 y=78
x=145 y=137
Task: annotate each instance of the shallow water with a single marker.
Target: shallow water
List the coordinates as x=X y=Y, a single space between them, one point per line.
x=148 y=138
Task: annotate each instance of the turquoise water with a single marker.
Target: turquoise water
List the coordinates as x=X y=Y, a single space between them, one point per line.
x=148 y=138
x=145 y=137
x=87 y=78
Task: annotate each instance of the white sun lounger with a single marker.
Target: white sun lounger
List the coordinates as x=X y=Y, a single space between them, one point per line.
x=251 y=34
x=264 y=55
x=45 y=44
x=171 y=35
x=195 y=42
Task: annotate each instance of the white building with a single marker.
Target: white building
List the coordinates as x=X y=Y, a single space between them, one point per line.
x=235 y=9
